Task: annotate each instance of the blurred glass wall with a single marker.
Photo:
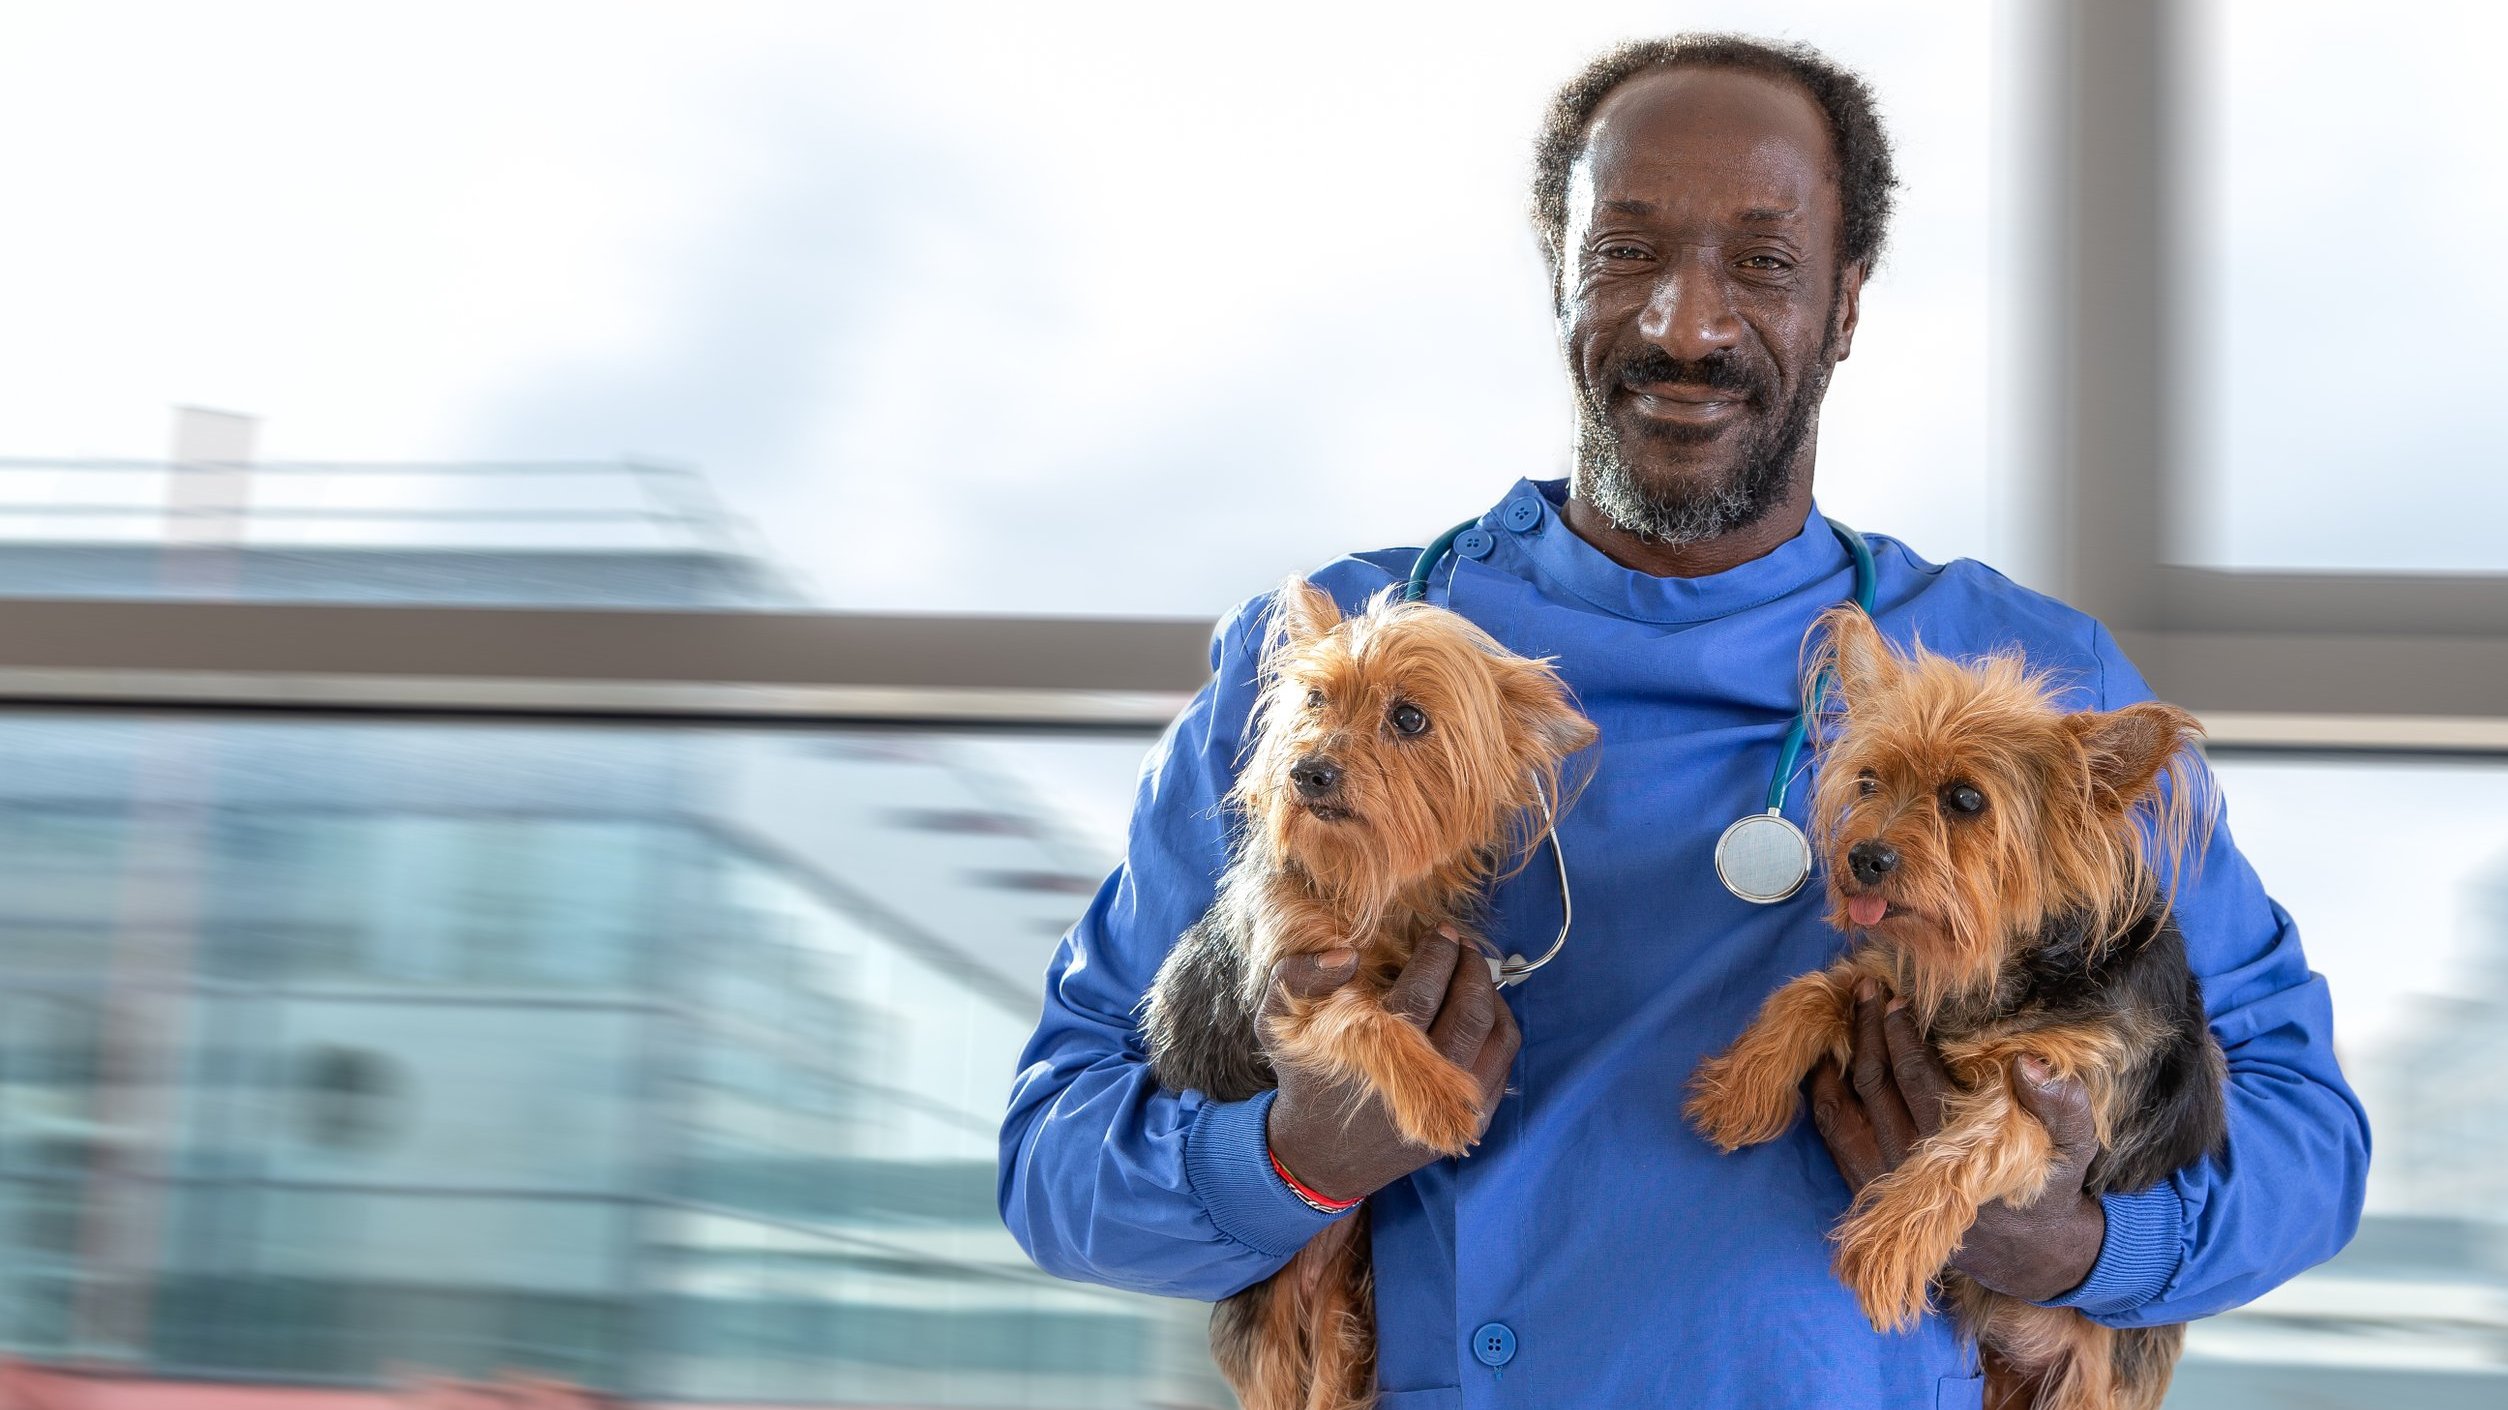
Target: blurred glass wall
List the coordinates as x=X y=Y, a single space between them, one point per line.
x=666 y=1062
x=2397 y=872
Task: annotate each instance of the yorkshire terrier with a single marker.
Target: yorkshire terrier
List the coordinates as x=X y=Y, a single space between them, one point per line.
x=2006 y=867
x=1402 y=761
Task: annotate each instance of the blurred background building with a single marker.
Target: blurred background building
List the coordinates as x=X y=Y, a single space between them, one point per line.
x=481 y=894
x=666 y=1062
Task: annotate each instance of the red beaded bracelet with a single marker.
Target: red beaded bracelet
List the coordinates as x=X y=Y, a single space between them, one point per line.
x=1311 y=1199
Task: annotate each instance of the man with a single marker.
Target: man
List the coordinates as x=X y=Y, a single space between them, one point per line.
x=1710 y=208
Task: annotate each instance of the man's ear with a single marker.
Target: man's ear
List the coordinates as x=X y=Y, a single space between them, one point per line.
x=1854 y=648
x=1850 y=306
x=1302 y=612
x=2128 y=748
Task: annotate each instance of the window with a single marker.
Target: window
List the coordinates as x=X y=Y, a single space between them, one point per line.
x=2349 y=414
x=2397 y=873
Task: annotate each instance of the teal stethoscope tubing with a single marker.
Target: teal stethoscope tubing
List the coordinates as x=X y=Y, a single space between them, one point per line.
x=1513 y=969
x=1867 y=580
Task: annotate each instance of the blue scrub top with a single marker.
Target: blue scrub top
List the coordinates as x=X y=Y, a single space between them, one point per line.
x=1593 y=1247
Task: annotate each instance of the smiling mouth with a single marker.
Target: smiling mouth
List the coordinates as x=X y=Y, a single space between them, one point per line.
x=1687 y=405
x=1867 y=909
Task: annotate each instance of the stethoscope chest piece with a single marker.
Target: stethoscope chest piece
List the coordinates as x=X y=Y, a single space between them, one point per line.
x=1763 y=858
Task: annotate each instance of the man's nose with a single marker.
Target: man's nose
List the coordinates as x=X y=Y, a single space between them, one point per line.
x=1871 y=861
x=1315 y=776
x=1690 y=313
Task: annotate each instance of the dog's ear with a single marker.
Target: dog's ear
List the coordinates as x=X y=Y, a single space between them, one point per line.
x=1302 y=612
x=2128 y=749
x=1854 y=648
x=1543 y=711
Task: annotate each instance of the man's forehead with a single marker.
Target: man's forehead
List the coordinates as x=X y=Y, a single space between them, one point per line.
x=1758 y=146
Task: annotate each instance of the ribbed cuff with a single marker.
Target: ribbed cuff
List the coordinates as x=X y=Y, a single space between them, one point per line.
x=2145 y=1240
x=1227 y=1161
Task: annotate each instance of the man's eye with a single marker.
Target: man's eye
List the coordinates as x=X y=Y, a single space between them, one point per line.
x=1622 y=252
x=1407 y=718
x=1964 y=799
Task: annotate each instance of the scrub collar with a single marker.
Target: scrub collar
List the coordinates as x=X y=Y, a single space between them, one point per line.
x=1528 y=525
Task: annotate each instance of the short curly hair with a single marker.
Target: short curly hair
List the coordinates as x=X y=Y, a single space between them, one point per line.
x=1861 y=149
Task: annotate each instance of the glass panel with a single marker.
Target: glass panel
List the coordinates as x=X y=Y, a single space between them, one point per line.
x=2397 y=874
x=1139 y=273
x=2346 y=171
x=276 y=1282
x=665 y=1062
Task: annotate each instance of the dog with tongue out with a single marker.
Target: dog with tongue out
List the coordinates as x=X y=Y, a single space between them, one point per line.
x=2005 y=867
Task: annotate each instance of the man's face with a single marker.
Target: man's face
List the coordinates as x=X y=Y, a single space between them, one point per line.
x=1701 y=302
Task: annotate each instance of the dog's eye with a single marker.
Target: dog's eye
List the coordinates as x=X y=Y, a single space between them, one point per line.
x=1314 y=700
x=1866 y=785
x=1964 y=799
x=1407 y=718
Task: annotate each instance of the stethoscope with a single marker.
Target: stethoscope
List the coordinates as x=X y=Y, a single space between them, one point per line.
x=1763 y=857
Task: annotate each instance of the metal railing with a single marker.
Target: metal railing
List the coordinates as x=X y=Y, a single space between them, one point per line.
x=370 y=503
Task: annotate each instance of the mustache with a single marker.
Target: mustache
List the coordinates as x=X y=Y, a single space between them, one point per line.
x=1720 y=372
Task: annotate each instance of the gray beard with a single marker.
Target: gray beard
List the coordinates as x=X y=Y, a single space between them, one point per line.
x=1680 y=514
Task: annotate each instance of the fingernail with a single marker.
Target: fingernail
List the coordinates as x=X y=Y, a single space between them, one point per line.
x=1336 y=959
x=1866 y=989
x=2035 y=1070
x=1896 y=1005
x=1448 y=932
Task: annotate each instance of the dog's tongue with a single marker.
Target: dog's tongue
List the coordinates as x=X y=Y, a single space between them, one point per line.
x=1866 y=910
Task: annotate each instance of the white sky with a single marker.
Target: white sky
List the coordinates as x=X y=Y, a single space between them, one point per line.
x=1101 y=308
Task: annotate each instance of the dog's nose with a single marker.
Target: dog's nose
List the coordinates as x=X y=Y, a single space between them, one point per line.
x=1315 y=777
x=1871 y=861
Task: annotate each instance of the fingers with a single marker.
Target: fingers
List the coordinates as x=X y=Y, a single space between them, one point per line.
x=2062 y=1106
x=1496 y=1059
x=1421 y=989
x=1469 y=1011
x=1840 y=1120
x=1474 y=1029
x=1893 y=1129
x=1309 y=976
x=1922 y=1079
x=1444 y=989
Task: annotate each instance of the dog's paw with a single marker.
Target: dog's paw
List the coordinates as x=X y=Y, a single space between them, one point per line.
x=1437 y=1105
x=1891 y=1280
x=1731 y=1111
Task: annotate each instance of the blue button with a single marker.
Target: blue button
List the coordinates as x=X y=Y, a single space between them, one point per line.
x=1474 y=543
x=1494 y=1344
x=1523 y=513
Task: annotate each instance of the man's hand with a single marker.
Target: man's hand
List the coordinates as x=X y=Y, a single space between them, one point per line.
x=1335 y=1136
x=1895 y=1101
